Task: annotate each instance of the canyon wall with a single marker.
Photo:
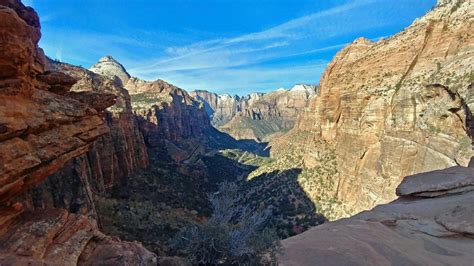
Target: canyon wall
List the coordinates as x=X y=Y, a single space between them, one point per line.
x=43 y=126
x=395 y=107
x=113 y=158
x=258 y=115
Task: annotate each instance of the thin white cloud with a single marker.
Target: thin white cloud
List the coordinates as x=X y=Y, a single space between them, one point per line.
x=290 y=29
x=255 y=60
x=247 y=80
x=257 y=47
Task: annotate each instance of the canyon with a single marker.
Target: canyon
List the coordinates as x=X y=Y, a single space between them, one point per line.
x=389 y=109
x=258 y=116
x=100 y=167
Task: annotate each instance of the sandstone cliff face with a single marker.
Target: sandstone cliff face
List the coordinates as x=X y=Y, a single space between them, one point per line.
x=220 y=108
x=121 y=153
x=430 y=224
x=41 y=130
x=395 y=107
x=43 y=125
x=171 y=120
x=258 y=115
x=175 y=114
x=113 y=158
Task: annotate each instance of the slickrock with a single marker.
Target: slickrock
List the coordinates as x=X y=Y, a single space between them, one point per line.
x=221 y=108
x=258 y=115
x=43 y=126
x=408 y=231
x=440 y=181
x=395 y=107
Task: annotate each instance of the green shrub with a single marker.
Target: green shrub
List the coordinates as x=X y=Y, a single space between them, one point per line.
x=456 y=6
x=465 y=144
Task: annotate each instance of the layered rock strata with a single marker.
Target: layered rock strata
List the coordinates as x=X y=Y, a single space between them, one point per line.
x=395 y=107
x=258 y=115
x=43 y=126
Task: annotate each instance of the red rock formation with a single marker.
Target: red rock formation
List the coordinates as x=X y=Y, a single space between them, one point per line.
x=41 y=131
x=172 y=122
x=119 y=154
x=43 y=126
x=173 y=112
x=56 y=237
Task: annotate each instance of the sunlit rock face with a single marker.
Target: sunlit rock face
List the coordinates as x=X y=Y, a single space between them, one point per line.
x=258 y=115
x=109 y=67
x=395 y=107
x=220 y=107
x=170 y=109
x=121 y=152
x=43 y=126
x=40 y=130
x=430 y=224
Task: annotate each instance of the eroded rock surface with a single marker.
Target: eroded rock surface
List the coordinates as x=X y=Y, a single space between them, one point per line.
x=409 y=231
x=40 y=130
x=394 y=107
x=258 y=115
x=43 y=126
x=57 y=237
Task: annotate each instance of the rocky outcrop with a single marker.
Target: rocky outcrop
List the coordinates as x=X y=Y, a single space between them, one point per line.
x=174 y=125
x=41 y=130
x=43 y=126
x=432 y=223
x=111 y=159
x=258 y=115
x=395 y=107
x=174 y=114
x=119 y=154
x=56 y=237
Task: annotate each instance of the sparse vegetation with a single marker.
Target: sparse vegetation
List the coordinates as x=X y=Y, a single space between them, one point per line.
x=433 y=129
x=233 y=235
x=465 y=146
x=147 y=99
x=456 y=6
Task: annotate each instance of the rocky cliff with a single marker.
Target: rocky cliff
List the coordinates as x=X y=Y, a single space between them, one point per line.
x=173 y=112
x=431 y=223
x=113 y=158
x=43 y=126
x=258 y=115
x=392 y=108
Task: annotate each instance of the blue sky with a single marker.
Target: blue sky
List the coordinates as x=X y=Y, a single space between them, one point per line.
x=232 y=46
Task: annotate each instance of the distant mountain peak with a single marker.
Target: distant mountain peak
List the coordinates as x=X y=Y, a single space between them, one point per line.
x=109 y=67
x=309 y=89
